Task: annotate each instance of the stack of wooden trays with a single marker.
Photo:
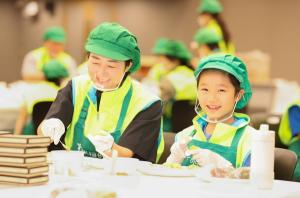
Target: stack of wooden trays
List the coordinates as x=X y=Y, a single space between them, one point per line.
x=23 y=159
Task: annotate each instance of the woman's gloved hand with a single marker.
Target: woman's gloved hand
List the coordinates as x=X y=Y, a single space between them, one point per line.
x=102 y=142
x=54 y=128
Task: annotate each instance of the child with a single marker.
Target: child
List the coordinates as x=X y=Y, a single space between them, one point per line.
x=218 y=136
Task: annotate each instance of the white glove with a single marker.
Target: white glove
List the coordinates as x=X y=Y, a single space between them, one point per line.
x=207 y=157
x=102 y=142
x=178 y=150
x=54 y=128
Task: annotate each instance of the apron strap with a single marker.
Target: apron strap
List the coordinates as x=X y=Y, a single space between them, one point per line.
x=117 y=134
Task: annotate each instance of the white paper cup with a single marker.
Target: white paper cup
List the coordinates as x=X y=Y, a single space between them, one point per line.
x=67 y=162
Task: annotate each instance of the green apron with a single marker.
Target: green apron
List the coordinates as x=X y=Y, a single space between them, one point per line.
x=80 y=142
x=228 y=152
x=29 y=129
x=296 y=148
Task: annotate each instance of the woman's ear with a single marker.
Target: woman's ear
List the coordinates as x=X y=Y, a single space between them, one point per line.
x=240 y=95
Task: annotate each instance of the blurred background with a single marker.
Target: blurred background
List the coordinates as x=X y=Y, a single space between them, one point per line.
x=265 y=25
x=264 y=33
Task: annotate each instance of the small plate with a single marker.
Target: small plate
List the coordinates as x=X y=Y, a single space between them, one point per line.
x=163 y=171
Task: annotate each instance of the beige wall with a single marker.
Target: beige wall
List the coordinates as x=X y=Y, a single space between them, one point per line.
x=9 y=39
x=268 y=25
x=271 y=26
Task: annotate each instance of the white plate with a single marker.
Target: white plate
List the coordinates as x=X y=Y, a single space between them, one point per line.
x=204 y=175
x=90 y=162
x=160 y=170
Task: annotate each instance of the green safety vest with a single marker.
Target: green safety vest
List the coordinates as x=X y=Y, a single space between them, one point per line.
x=214 y=26
x=231 y=142
x=117 y=110
x=183 y=80
x=285 y=133
x=42 y=57
x=156 y=72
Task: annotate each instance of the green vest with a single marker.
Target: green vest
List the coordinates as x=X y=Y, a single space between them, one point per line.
x=183 y=80
x=231 y=142
x=214 y=26
x=156 y=73
x=285 y=133
x=42 y=57
x=117 y=110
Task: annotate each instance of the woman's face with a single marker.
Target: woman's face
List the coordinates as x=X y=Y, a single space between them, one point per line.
x=216 y=94
x=203 y=19
x=105 y=72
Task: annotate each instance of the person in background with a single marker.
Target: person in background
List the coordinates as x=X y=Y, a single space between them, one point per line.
x=54 y=73
x=209 y=17
x=158 y=70
x=52 y=49
x=207 y=43
x=289 y=133
x=177 y=82
x=218 y=136
x=107 y=110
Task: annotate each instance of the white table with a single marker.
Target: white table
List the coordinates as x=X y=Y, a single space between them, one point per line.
x=152 y=187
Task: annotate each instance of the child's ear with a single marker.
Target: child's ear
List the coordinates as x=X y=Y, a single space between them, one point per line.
x=240 y=95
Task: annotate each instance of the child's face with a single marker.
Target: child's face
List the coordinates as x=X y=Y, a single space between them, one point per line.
x=216 y=94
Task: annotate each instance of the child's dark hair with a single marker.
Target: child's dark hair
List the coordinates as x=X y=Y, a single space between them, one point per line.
x=233 y=80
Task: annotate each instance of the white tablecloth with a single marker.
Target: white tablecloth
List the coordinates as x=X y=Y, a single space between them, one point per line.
x=153 y=187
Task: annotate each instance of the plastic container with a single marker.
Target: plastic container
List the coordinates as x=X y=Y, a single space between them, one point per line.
x=262 y=158
x=67 y=162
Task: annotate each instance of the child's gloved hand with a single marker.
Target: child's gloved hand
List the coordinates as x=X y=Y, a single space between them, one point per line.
x=178 y=150
x=205 y=157
x=54 y=128
x=102 y=142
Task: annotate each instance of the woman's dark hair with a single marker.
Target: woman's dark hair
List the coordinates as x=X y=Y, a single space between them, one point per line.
x=182 y=61
x=220 y=21
x=213 y=46
x=233 y=80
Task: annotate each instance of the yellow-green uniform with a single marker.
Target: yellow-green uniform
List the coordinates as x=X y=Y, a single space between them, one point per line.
x=36 y=59
x=288 y=138
x=183 y=81
x=114 y=112
x=214 y=26
x=230 y=141
x=38 y=92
